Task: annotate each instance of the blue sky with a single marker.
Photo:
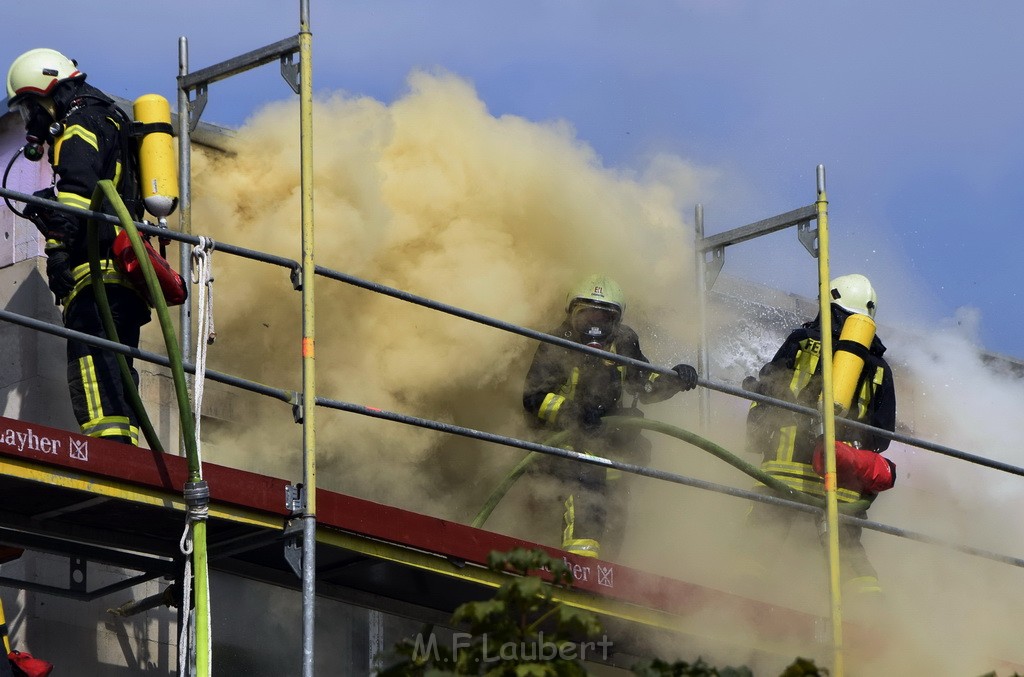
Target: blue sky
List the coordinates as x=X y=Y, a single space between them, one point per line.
x=914 y=108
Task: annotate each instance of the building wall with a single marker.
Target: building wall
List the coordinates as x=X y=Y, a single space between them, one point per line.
x=85 y=637
x=33 y=374
x=21 y=240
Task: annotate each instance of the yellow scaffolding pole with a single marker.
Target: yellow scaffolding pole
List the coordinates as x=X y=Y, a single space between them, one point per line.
x=308 y=403
x=828 y=422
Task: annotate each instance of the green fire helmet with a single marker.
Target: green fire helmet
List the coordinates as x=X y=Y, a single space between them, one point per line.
x=599 y=290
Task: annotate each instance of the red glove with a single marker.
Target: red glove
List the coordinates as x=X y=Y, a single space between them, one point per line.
x=857 y=469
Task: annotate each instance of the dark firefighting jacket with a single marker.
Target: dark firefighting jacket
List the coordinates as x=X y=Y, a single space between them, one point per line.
x=787 y=439
x=563 y=385
x=91 y=143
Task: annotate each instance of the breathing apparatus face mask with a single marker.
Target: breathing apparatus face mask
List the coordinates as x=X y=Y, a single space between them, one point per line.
x=595 y=324
x=38 y=121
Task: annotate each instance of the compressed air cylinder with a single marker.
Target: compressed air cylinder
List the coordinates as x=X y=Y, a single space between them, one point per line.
x=846 y=365
x=157 y=164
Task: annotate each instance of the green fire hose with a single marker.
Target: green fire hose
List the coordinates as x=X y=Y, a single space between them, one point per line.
x=196 y=492
x=720 y=452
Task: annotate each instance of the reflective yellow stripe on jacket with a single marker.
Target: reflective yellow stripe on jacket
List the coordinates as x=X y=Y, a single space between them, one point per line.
x=801 y=476
x=553 y=402
x=89 y=137
x=109 y=273
x=804 y=365
x=867 y=393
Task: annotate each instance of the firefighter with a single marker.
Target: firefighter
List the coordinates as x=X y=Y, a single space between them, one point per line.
x=87 y=139
x=571 y=390
x=790 y=442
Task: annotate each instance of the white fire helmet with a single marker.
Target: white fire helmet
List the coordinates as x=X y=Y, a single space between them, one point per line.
x=854 y=294
x=37 y=72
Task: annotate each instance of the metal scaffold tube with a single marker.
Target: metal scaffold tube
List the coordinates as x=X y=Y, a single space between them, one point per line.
x=375 y=287
x=308 y=343
x=828 y=422
x=703 y=364
x=289 y=397
x=185 y=194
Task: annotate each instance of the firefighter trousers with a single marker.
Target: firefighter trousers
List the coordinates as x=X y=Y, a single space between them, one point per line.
x=94 y=377
x=768 y=527
x=595 y=502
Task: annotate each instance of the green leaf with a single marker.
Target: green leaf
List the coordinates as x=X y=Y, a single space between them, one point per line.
x=528 y=588
x=578 y=621
x=479 y=612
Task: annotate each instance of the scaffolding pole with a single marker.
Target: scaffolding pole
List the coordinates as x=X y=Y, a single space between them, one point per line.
x=184 y=203
x=299 y=79
x=308 y=344
x=703 y=363
x=828 y=422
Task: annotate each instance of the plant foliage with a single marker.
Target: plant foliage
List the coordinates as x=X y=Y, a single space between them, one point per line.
x=524 y=631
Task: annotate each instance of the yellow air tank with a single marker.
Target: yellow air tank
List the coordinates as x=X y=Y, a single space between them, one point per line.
x=157 y=165
x=847 y=365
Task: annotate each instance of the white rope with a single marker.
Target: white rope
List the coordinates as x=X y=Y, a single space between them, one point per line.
x=184 y=633
x=202 y=276
x=202 y=265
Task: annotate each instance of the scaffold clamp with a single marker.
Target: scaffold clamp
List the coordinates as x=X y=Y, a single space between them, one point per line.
x=294 y=499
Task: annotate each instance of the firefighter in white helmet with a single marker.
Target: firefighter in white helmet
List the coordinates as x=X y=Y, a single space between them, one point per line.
x=87 y=137
x=790 y=442
x=571 y=390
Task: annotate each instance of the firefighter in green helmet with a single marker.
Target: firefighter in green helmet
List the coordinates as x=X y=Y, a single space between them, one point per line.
x=572 y=390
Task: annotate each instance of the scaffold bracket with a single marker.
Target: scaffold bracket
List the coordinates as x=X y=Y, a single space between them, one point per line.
x=293 y=546
x=294 y=499
x=196 y=107
x=713 y=265
x=808 y=236
x=290 y=72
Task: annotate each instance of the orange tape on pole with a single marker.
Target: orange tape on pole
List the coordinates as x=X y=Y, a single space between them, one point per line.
x=830 y=481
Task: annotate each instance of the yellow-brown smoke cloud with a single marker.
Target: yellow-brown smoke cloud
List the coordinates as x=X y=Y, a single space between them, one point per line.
x=433 y=195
